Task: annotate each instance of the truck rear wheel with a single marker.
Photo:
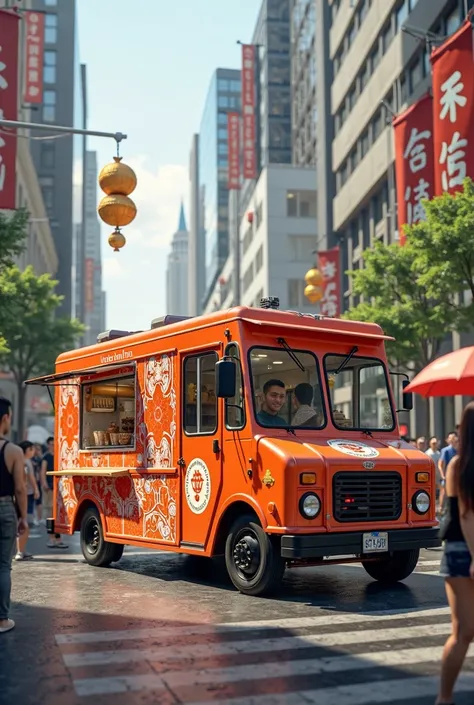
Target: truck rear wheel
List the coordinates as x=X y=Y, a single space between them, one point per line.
x=95 y=549
x=397 y=566
x=253 y=558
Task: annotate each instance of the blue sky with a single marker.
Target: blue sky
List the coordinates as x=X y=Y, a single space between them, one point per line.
x=149 y=65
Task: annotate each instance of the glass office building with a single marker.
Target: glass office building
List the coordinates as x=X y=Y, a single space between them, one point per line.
x=224 y=96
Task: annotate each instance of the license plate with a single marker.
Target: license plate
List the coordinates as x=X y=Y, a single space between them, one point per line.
x=375 y=542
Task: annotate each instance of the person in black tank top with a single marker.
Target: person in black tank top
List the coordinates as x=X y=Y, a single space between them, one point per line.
x=13 y=510
x=457 y=563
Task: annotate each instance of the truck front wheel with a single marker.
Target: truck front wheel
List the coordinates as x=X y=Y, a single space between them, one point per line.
x=397 y=566
x=95 y=549
x=253 y=558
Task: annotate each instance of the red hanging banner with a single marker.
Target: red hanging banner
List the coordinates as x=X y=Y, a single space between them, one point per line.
x=34 y=52
x=453 y=110
x=233 y=139
x=414 y=162
x=248 y=111
x=329 y=265
x=8 y=106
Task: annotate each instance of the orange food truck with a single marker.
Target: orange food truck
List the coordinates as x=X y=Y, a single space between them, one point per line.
x=266 y=436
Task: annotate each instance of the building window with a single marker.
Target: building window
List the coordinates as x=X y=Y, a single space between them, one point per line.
x=416 y=74
x=291 y=204
x=453 y=21
x=402 y=14
x=200 y=408
x=248 y=277
x=223 y=84
x=49 y=106
x=223 y=101
x=295 y=293
x=258 y=215
x=302 y=247
x=47 y=188
x=364 y=143
x=51 y=29
x=259 y=259
x=222 y=134
x=387 y=36
x=108 y=414
x=222 y=148
x=47 y=156
x=222 y=119
x=50 y=3
x=49 y=71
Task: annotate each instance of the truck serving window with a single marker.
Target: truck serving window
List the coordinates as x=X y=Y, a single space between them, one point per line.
x=108 y=414
x=286 y=394
x=200 y=403
x=359 y=393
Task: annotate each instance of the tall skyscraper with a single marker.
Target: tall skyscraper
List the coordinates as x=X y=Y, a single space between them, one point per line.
x=223 y=96
x=54 y=158
x=196 y=243
x=177 y=272
x=92 y=270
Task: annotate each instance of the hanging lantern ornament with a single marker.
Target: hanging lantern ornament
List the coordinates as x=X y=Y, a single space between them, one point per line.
x=117 y=181
x=314 y=277
x=313 y=293
x=117 y=240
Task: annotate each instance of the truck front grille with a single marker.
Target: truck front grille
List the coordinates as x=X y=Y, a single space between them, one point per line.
x=367 y=496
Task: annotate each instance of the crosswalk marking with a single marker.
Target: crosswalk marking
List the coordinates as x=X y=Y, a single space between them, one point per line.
x=253 y=672
x=359 y=694
x=232 y=648
x=328 y=618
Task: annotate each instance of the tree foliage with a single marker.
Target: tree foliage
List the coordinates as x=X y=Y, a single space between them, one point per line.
x=34 y=337
x=445 y=243
x=13 y=234
x=396 y=297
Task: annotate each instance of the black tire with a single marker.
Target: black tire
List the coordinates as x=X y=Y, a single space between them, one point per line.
x=397 y=566
x=95 y=549
x=252 y=557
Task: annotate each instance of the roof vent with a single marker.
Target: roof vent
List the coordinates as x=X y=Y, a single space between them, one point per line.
x=270 y=302
x=113 y=334
x=167 y=321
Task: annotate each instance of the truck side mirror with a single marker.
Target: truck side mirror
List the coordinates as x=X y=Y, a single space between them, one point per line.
x=407 y=401
x=226 y=377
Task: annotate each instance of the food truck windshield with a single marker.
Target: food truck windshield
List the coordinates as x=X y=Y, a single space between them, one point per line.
x=287 y=390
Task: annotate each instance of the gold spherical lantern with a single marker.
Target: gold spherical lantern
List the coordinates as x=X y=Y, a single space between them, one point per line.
x=117 y=210
x=314 y=277
x=313 y=293
x=117 y=240
x=117 y=178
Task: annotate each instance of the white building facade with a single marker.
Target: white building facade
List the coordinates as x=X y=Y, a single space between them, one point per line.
x=177 y=274
x=278 y=235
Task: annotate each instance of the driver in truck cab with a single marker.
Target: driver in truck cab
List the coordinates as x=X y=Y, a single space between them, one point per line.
x=274 y=395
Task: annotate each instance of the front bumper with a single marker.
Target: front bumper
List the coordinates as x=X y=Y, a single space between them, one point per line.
x=317 y=546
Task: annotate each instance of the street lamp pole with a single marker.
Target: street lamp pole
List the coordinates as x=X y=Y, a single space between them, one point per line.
x=16 y=124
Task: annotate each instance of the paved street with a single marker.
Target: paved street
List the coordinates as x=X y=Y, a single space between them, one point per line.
x=168 y=629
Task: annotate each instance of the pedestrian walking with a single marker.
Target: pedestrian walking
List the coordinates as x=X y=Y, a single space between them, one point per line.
x=47 y=485
x=457 y=563
x=13 y=509
x=447 y=454
x=32 y=495
x=434 y=453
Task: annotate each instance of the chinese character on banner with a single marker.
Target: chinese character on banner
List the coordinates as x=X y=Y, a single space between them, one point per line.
x=34 y=50
x=328 y=265
x=414 y=162
x=8 y=106
x=248 y=112
x=89 y=282
x=453 y=110
x=233 y=138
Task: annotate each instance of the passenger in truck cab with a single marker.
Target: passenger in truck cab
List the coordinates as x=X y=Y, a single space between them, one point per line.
x=274 y=396
x=305 y=414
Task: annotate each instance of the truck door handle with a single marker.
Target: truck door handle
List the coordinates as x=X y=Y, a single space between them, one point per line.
x=215 y=447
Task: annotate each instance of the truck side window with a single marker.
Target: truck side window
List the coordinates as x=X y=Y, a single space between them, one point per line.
x=235 y=407
x=200 y=402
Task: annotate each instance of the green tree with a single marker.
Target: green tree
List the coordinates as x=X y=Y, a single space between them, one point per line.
x=445 y=243
x=13 y=234
x=395 y=297
x=34 y=336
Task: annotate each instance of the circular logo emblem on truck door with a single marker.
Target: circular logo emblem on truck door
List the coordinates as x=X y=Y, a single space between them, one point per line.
x=357 y=450
x=197 y=486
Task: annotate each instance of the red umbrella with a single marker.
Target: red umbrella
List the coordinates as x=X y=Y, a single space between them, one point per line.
x=447 y=376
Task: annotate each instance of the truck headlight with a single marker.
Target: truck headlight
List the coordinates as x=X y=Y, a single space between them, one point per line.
x=310 y=505
x=421 y=502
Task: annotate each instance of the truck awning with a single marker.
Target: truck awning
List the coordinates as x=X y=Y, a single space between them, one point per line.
x=58 y=378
